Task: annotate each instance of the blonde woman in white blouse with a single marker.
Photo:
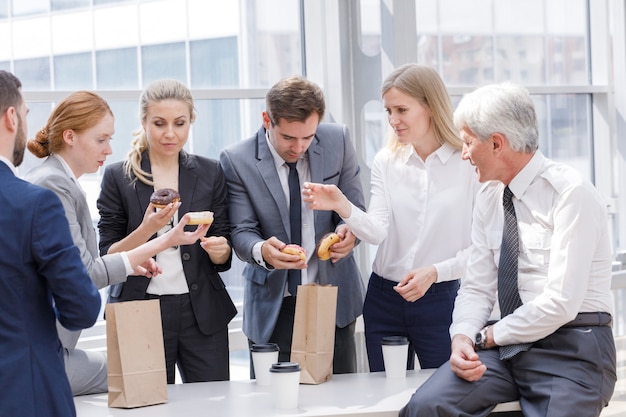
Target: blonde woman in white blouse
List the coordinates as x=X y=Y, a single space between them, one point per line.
x=420 y=212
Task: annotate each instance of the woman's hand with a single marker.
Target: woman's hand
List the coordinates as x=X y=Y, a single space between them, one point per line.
x=155 y=220
x=415 y=284
x=217 y=247
x=150 y=269
x=326 y=197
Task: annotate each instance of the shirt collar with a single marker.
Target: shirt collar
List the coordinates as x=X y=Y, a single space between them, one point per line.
x=9 y=164
x=524 y=178
x=444 y=152
x=278 y=161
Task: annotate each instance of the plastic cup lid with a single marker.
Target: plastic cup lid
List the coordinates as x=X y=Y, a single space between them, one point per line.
x=285 y=367
x=395 y=340
x=264 y=347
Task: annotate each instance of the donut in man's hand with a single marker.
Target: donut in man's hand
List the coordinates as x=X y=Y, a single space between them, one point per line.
x=164 y=196
x=323 y=251
x=293 y=249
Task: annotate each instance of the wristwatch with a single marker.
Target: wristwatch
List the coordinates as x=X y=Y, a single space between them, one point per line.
x=481 y=339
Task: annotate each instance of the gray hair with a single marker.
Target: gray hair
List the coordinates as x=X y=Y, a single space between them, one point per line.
x=504 y=108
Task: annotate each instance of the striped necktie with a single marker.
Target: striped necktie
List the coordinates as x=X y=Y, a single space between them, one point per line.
x=508 y=292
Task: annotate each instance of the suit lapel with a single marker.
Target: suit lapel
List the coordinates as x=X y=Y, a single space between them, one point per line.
x=186 y=183
x=316 y=166
x=267 y=170
x=316 y=161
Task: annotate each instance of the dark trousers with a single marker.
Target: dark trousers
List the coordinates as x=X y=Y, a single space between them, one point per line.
x=568 y=373
x=425 y=322
x=344 y=359
x=199 y=357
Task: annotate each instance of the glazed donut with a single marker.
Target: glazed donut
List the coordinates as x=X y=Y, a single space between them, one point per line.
x=293 y=249
x=200 y=217
x=323 y=251
x=163 y=196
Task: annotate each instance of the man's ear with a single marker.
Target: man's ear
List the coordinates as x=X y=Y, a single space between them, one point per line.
x=498 y=142
x=10 y=119
x=266 y=121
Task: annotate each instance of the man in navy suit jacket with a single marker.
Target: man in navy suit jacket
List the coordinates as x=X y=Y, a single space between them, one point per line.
x=42 y=278
x=257 y=178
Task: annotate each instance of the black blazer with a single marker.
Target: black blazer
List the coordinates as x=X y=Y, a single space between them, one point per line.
x=202 y=186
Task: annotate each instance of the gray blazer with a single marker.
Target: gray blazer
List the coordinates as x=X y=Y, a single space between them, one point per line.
x=258 y=210
x=103 y=271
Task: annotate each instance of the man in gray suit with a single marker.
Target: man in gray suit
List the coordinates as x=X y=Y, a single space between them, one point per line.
x=259 y=202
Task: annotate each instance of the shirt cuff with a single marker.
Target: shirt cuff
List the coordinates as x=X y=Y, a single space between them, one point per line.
x=443 y=271
x=129 y=269
x=258 y=257
x=465 y=330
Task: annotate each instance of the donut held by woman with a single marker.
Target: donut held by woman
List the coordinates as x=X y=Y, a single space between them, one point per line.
x=200 y=217
x=323 y=251
x=164 y=196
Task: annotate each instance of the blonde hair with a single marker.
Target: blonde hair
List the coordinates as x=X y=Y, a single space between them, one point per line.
x=425 y=85
x=79 y=111
x=156 y=92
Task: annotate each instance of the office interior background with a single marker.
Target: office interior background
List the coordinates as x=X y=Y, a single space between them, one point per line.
x=571 y=54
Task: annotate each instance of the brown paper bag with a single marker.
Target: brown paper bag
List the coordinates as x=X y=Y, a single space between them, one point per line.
x=135 y=352
x=313 y=342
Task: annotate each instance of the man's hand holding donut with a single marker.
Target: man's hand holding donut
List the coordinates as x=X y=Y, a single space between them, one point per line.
x=271 y=250
x=345 y=245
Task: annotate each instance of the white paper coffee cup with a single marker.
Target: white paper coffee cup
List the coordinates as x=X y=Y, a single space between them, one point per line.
x=264 y=355
x=395 y=352
x=285 y=384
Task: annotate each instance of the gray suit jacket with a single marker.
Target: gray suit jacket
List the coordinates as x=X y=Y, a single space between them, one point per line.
x=109 y=269
x=258 y=210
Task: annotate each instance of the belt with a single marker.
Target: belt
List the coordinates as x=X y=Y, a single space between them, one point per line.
x=591 y=319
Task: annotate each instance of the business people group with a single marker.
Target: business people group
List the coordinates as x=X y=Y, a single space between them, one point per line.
x=554 y=333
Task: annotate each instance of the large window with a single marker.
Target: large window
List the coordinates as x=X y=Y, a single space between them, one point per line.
x=228 y=58
x=230 y=52
x=72 y=72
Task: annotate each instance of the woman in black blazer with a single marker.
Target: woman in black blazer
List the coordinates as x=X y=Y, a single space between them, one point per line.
x=195 y=306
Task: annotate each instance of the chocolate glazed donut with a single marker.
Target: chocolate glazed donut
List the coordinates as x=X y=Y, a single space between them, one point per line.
x=164 y=196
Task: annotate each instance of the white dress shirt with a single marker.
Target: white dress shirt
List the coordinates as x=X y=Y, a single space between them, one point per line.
x=420 y=212
x=172 y=280
x=564 y=260
x=309 y=274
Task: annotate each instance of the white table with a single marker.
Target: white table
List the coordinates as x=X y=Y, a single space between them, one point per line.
x=363 y=394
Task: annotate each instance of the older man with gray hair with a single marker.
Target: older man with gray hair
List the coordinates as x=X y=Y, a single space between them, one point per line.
x=541 y=249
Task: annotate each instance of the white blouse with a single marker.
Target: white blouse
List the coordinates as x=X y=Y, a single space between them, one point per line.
x=420 y=212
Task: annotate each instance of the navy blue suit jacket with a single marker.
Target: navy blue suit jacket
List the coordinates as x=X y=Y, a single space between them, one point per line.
x=42 y=278
x=258 y=211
